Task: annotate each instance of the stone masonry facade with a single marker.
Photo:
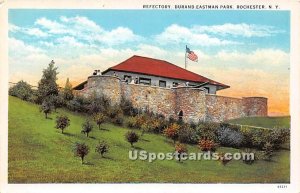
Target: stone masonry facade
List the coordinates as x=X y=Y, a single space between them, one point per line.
x=194 y=103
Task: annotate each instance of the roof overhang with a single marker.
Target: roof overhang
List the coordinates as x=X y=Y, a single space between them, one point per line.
x=219 y=86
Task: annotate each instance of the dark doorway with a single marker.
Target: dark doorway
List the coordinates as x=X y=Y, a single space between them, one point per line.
x=180 y=115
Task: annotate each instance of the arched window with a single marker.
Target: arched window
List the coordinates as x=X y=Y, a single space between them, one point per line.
x=180 y=115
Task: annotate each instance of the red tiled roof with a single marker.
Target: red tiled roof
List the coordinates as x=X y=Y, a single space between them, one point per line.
x=155 y=67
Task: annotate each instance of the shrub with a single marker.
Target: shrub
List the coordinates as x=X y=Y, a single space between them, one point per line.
x=95 y=106
x=207 y=145
x=113 y=112
x=99 y=118
x=146 y=127
x=118 y=119
x=172 y=131
x=127 y=107
x=80 y=150
x=21 y=90
x=158 y=125
x=187 y=135
x=248 y=135
x=46 y=107
x=259 y=137
x=99 y=104
x=207 y=130
x=229 y=137
x=33 y=98
x=278 y=136
x=180 y=149
x=131 y=122
x=79 y=104
x=102 y=148
x=87 y=127
x=74 y=105
x=62 y=122
x=140 y=120
x=57 y=101
x=268 y=151
x=131 y=137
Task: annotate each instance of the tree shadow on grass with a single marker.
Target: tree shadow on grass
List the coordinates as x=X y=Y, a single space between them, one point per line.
x=92 y=137
x=137 y=148
x=88 y=164
x=69 y=134
x=146 y=140
x=103 y=129
x=108 y=158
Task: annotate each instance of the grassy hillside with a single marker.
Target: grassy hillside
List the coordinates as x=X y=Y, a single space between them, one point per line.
x=268 y=122
x=38 y=153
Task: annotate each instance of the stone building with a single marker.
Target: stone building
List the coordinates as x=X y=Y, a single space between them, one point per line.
x=167 y=89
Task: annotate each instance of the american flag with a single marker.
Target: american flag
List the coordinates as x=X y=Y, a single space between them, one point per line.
x=191 y=55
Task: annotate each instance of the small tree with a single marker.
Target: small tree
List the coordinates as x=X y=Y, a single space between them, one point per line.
x=62 y=122
x=87 y=127
x=81 y=150
x=68 y=93
x=46 y=107
x=47 y=85
x=102 y=148
x=99 y=118
x=172 y=131
x=131 y=137
x=180 y=149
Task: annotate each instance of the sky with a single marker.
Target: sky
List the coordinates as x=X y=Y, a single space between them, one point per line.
x=248 y=50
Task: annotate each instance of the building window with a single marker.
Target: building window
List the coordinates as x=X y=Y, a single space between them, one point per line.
x=175 y=84
x=207 y=88
x=127 y=78
x=162 y=83
x=145 y=81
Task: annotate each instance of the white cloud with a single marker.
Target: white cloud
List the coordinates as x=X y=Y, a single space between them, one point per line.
x=82 y=28
x=259 y=57
x=29 y=31
x=81 y=23
x=117 y=36
x=19 y=49
x=242 y=29
x=13 y=28
x=176 y=34
x=36 y=32
x=53 y=26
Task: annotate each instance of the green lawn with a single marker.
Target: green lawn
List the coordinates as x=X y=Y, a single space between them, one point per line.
x=38 y=153
x=268 y=122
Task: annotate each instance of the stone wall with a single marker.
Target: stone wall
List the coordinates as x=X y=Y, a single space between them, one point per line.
x=194 y=103
x=220 y=108
x=108 y=86
x=191 y=102
x=155 y=99
x=255 y=106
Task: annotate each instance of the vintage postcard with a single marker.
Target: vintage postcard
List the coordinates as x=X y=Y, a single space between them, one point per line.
x=164 y=96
